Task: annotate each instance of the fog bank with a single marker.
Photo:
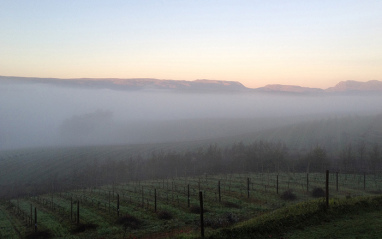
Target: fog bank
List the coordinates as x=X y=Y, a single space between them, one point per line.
x=33 y=115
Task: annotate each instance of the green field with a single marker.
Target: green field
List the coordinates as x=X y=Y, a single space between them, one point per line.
x=343 y=218
x=174 y=214
x=54 y=181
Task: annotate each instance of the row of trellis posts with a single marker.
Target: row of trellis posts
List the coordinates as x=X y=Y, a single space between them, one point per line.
x=32 y=219
x=277 y=190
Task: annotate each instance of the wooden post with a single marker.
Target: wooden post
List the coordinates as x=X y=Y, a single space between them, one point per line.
x=109 y=201
x=78 y=212
x=307 y=182
x=71 y=209
x=277 y=184
x=248 y=187
x=35 y=219
x=31 y=217
x=327 y=188
x=143 y=198
x=201 y=214
x=364 y=181
x=337 y=181
x=220 y=199
x=155 y=200
x=188 y=195
x=118 y=205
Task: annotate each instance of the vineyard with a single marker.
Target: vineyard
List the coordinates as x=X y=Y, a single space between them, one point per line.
x=164 y=208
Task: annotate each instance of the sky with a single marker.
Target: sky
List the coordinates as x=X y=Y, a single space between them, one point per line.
x=296 y=42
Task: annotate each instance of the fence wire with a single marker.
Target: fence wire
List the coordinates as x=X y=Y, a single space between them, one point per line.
x=229 y=198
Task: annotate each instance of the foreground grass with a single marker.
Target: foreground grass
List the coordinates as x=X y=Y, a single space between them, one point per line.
x=359 y=225
x=346 y=218
x=263 y=214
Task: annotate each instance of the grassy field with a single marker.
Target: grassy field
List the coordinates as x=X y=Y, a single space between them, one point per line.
x=345 y=218
x=357 y=225
x=241 y=198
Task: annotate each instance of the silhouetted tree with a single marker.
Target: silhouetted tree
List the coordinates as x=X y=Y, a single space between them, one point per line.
x=361 y=149
x=375 y=157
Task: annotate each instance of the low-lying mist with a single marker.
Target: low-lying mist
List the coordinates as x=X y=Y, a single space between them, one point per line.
x=34 y=115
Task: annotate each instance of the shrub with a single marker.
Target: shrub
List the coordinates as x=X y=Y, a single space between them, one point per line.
x=288 y=196
x=164 y=215
x=196 y=209
x=232 y=218
x=224 y=221
x=376 y=192
x=231 y=205
x=83 y=227
x=129 y=221
x=318 y=193
x=39 y=234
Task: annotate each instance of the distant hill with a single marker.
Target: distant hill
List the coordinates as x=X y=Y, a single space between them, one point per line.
x=289 y=88
x=341 y=87
x=356 y=86
x=133 y=83
x=202 y=85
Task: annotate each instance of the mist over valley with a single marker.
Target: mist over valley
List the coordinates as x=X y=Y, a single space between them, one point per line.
x=190 y=119
x=37 y=114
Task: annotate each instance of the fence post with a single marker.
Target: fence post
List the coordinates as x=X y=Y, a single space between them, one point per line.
x=277 y=184
x=78 y=211
x=71 y=209
x=327 y=188
x=248 y=187
x=118 y=205
x=35 y=219
x=143 y=198
x=155 y=200
x=188 y=195
x=307 y=182
x=109 y=201
x=201 y=214
x=31 y=220
x=220 y=199
x=364 y=181
x=337 y=181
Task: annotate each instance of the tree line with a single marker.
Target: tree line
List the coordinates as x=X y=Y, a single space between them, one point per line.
x=259 y=156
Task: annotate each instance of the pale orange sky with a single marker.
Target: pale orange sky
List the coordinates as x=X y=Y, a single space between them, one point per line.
x=307 y=43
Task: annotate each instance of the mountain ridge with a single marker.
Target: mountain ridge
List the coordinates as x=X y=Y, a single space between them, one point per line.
x=199 y=85
x=372 y=85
